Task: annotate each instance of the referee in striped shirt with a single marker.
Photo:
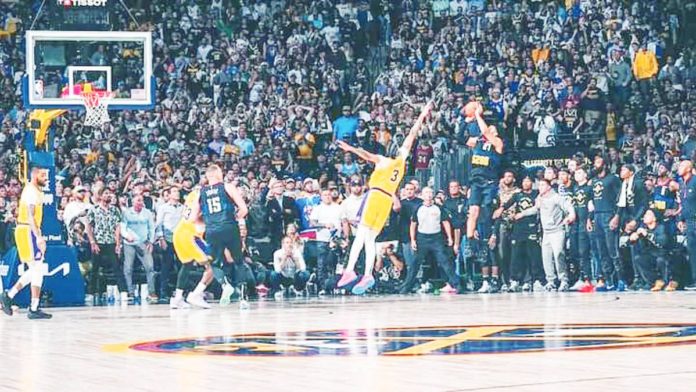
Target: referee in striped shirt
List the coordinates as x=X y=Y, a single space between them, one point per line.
x=427 y=224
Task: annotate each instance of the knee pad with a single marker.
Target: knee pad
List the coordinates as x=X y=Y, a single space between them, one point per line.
x=36 y=270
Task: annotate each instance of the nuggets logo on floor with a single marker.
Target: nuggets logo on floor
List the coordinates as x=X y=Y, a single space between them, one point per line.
x=489 y=339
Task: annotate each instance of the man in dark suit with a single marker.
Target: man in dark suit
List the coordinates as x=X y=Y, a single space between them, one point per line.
x=633 y=202
x=281 y=211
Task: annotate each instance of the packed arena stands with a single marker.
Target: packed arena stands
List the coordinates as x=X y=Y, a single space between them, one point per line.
x=265 y=88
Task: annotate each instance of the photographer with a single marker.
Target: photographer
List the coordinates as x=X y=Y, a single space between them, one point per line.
x=288 y=267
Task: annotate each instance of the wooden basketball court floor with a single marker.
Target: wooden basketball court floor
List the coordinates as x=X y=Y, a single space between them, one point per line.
x=505 y=342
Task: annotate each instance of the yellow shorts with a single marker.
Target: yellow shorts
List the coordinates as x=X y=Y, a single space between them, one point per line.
x=375 y=209
x=27 y=246
x=188 y=244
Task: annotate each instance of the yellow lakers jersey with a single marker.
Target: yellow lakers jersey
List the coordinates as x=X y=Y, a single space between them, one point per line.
x=185 y=224
x=31 y=195
x=388 y=174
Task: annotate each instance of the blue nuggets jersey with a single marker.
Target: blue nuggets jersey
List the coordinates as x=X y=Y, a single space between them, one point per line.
x=217 y=208
x=484 y=160
x=663 y=199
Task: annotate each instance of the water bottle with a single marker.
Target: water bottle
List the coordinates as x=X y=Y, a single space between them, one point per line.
x=136 y=295
x=144 y=292
x=111 y=299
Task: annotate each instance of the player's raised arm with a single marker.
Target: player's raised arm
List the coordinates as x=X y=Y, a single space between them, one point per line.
x=489 y=132
x=413 y=133
x=365 y=155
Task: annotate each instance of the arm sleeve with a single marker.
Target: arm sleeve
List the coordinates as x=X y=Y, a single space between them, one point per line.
x=277 y=260
x=640 y=201
x=414 y=215
x=567 y=206
x=299 y=260
x=529 y=211
x=510 y=201
x=151 y=228
x=159 y=221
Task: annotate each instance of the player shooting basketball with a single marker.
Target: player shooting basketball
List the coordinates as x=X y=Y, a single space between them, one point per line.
x=373 y=213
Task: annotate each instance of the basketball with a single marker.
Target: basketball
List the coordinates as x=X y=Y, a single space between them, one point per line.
x=470 y=109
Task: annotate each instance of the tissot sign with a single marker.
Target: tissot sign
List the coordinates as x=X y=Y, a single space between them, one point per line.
x=82 y=3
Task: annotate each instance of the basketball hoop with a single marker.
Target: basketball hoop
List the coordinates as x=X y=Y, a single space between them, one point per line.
x=96 y=107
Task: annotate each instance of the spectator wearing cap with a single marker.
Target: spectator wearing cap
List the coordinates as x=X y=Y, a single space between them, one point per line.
x=350 y=207
x=281 y=210
x=77 y=207
x=345 y=126
x=291 y=187
x=633 y=202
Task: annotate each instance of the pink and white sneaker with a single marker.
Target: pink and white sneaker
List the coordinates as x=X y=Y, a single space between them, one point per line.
x=365 y=284
x=262 y=290
x=347 y=278
x=448 y=289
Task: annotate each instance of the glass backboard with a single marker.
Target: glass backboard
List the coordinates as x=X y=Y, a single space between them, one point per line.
x=63 y=64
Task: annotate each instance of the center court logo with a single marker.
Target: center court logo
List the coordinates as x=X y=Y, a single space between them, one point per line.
x=463 y=340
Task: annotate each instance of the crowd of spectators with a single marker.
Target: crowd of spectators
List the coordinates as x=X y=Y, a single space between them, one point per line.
x=265 y=87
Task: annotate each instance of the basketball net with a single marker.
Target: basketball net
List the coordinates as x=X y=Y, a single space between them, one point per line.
x=96 y=108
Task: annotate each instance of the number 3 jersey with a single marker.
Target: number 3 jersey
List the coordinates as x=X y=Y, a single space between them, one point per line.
x=388 y=174
x=384 y=182
x=217 y=208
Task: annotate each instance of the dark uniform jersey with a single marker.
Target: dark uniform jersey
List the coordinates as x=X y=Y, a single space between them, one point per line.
x=527 y=227
x=217 y=208
x=484 y=161
x=687 y=196
x=582 y=194
x=456 y=208
x=663 y=199
x=605 y=193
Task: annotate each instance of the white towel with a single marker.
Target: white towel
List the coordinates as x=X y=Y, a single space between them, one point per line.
x=626 y=192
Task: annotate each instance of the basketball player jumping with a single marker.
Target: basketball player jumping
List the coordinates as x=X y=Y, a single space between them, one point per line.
x=377 y=204
x=220 y=206
x=31 y=245
x=486 y=156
